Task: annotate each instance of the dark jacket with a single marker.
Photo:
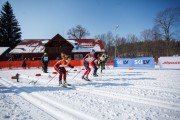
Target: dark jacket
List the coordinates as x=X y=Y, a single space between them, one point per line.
x=45 y=59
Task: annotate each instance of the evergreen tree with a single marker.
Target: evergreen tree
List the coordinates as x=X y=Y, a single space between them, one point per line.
x=10 y=32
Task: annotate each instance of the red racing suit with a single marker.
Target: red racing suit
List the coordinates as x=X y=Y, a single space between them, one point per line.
x=60 y=68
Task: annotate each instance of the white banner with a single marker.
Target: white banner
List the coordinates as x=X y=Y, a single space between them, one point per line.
x=169 y=62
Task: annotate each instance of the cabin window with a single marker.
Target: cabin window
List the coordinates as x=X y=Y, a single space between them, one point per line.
x=78 y=56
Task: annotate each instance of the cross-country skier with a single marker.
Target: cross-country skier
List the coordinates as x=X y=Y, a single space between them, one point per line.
x=94 y=64
x=86 y=61
x=102 y=61
x=60 y=68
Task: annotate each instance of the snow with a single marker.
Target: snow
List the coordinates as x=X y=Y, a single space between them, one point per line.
x=116 y=94
x=85 y=47
x=34 y=48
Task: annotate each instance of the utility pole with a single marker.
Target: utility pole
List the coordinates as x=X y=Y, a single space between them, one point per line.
x=115 y=41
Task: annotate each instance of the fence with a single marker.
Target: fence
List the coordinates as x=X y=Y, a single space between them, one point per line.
x=38 y=63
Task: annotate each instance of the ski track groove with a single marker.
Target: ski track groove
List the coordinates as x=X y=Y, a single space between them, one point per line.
x=53 y=108
x=158 y=88
x=124 y=77
x=165 y=89
x=172 y=90
x=135 y=99
x=161 y=89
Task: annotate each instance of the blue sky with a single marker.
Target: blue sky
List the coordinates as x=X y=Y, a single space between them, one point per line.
x=45 y=18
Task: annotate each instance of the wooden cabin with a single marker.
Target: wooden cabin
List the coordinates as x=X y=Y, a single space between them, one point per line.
x=33 y=49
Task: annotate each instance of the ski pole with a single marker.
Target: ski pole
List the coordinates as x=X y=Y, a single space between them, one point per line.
x=34 y=82
x=55 y=76
x=69 y=70
x=51 y=78
x=77 y=74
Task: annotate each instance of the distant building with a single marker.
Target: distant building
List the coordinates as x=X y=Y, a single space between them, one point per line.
x=33 y=49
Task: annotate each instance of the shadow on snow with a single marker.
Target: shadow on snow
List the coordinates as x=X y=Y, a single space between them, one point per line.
x=30 y=89
x=102 y=84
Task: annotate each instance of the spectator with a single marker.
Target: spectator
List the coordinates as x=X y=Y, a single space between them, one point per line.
x=24 y=63
x=45 y=60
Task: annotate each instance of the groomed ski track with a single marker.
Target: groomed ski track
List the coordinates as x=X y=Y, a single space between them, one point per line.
x=60 y=111
x=57 y=110
x=135 y=99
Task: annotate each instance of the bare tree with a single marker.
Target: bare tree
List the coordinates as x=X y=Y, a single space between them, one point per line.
x=132 y=49
x=107 y=39
x=157 y=43
x=156 y=34
x=166 y=21
x=122 y=48
x=77 y=32
x=146 y=35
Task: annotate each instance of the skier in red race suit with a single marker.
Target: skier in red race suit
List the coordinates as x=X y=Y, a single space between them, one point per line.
x=60 y=68
x=94 y=64
x=86 y=61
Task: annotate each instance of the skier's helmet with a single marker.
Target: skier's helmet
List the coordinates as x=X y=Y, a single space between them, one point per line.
x=92 y=51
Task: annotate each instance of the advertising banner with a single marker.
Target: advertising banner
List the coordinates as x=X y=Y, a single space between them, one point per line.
x=169 y=62
x=143 y=62
x=122 y=62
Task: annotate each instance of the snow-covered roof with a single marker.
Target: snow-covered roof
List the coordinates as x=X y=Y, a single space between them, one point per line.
x=38 y=45
x=30 y=46
x=3 y=49
x=85 y=45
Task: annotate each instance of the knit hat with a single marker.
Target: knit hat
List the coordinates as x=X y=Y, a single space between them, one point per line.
x=92 y=51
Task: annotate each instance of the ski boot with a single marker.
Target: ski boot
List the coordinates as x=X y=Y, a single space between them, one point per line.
x=87 y=79
x=67 y=84
x=95 y=75
x=83 y=77
x=60 y=83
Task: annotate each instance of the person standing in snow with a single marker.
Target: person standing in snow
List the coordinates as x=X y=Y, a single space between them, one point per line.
x=86 y=61
x=45 y=60
x=24 y=63
x=60 y=68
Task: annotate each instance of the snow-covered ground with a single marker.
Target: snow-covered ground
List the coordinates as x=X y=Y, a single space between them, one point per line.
x=117 y=94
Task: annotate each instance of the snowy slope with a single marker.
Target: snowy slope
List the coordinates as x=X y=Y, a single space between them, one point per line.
x=117 y=94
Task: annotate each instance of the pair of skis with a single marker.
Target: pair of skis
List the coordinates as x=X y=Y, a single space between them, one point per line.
x=55 y=76
x=86 y=79
x=69 y=86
